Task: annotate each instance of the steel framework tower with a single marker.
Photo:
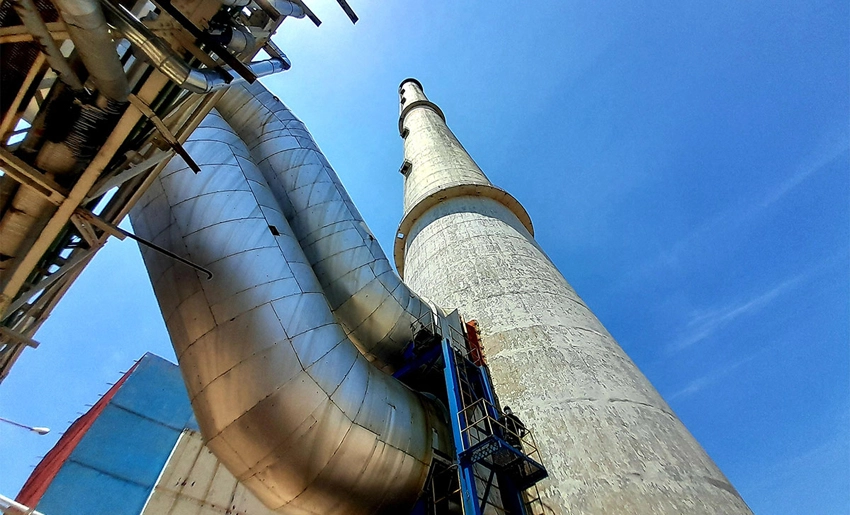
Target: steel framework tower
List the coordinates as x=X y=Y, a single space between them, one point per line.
x=609 y=441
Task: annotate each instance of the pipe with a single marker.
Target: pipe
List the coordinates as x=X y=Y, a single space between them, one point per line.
x=241 y=40
x=161 y=56
x=288 y=8
x=281 y=395
x=31 y=18
x=367 y=297
x=11 y=506
x=281 y=8
x=90 y=34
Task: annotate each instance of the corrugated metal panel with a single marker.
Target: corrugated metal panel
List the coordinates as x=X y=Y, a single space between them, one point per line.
x=156 y=391
x=116 y=463
x=81 y=489
x=49 y=467
x=194 y=482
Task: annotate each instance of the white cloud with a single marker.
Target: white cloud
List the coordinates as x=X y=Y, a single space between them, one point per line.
x=706 y=380
x=703 y=323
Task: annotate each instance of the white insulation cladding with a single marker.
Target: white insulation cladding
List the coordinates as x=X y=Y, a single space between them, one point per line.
x=282 y=395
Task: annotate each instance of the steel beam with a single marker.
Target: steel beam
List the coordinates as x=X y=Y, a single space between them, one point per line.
x=14 y=337
x=77 y=194
x=7 y=125
x=25 y=174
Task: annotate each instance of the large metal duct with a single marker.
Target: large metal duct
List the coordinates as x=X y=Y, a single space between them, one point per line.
x=282 y=397
x=374 y=306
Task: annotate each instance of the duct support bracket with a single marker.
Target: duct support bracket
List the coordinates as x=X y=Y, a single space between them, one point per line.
x=25 y=174
x=20 y=33
x=87 y=216
x=309 y=12
x=348 y=11
x=237 y=65
x=107 y=183
x=164 y=130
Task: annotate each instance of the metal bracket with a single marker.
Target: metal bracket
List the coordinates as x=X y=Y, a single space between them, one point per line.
x=107 y=183
x=213 y=45
x=309 y=12
x=22 y=172
x=348 y=10
x=47 y=281
x=164 y=130
x=114 y=230
x=14 y=337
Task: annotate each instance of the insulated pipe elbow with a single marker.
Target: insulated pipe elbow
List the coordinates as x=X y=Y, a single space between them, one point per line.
x=281 y=395
x=377 y=310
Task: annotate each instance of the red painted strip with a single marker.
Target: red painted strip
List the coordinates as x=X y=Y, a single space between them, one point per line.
x=476 y=352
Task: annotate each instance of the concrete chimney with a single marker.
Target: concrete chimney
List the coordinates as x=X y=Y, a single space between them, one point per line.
x=609 y=441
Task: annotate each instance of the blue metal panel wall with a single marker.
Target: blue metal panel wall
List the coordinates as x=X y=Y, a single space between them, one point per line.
x=114 y=467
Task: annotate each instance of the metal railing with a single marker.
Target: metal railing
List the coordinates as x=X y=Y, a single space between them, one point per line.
x=12 y=507
x=481 y=420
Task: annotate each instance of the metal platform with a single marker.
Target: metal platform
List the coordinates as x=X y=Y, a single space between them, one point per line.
x=497 y=464
x=84 y=128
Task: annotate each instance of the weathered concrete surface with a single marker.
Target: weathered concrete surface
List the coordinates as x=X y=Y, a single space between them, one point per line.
x=610 y=442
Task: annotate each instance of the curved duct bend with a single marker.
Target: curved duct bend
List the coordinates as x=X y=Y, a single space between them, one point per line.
x=368 y=298
x=282 y=397
x=88 y=30
x=161 y=56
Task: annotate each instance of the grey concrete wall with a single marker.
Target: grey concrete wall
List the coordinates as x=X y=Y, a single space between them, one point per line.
x=610 y=442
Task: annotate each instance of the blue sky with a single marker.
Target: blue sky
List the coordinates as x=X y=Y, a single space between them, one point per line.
x=685 y=166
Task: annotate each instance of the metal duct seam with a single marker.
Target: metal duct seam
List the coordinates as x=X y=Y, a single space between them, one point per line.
x=283 y=398
x=161 y=56
x=368 y=298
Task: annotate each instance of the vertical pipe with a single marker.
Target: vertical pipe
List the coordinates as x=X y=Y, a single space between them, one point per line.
x=28 y=13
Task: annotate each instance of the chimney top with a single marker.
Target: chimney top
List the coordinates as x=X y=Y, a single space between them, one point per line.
x=411 y=79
